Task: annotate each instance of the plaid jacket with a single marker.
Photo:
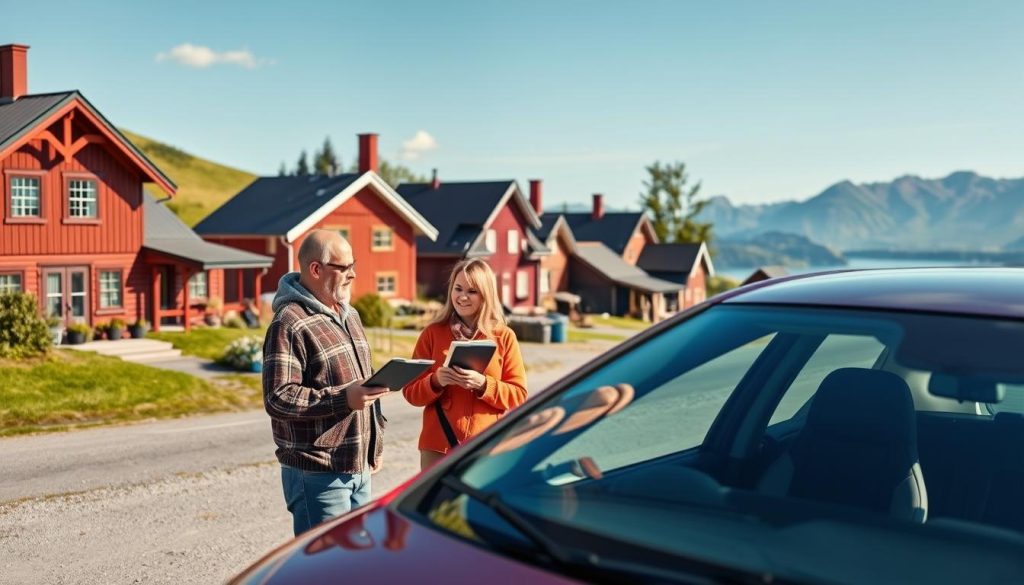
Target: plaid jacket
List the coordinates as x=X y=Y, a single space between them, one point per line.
x=308 y=360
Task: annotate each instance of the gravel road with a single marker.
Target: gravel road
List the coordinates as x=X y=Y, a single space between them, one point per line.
x=184 y=501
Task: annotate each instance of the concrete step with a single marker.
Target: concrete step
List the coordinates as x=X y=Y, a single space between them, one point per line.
x=161 y=355
x=123 y=346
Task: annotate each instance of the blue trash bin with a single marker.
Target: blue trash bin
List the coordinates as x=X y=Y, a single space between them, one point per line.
x=559 y=327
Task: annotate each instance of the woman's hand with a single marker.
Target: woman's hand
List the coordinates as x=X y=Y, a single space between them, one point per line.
x=468 y=379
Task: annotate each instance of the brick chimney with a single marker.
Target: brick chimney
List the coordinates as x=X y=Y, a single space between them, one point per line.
x=537 y=195
x=598 y=211
x=367 y=153
x=13 y=72
x=435 y=183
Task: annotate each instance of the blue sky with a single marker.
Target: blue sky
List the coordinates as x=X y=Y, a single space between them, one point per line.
x=764 y=101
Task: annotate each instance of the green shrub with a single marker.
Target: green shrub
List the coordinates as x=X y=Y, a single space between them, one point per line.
x=82 y=328
x=23 y=333
x=234 y=322
x=373 y=310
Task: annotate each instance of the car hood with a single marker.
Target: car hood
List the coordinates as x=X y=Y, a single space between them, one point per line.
x=379 y=545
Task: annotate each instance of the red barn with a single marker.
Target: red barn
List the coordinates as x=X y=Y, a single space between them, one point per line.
x=487 y=219
x=73 y=224
x=274 y=214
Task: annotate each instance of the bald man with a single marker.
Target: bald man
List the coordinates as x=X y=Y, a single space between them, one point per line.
x=328 y=428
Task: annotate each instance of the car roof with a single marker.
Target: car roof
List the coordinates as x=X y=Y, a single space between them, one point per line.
x=965 y=291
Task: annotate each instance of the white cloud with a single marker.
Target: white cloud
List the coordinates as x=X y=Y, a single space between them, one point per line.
x=201 y=57
x=421 y=143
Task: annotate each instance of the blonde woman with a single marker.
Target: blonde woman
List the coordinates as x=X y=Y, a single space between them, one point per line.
x=466 y=400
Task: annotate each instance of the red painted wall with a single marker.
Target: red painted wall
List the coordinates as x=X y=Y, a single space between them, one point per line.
x=505 y=264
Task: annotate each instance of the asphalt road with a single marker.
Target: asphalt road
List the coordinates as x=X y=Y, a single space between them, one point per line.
x=182 y=501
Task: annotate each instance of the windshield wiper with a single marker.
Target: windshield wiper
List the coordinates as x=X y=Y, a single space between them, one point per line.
x=546 y=544
x=596 y=568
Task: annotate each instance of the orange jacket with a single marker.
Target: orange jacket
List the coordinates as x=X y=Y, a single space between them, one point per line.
x=467 y=414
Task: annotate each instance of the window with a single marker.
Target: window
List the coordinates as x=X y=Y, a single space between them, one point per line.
x=522 y=284
x=345 y=233
x=110 y=289
x=513 y=242
x=198 y=286
x=387 y=284
x=82 y=198
x=382 y=239
x=545 y=280
x=10 y=283
x=491 y=241
x=25 y=200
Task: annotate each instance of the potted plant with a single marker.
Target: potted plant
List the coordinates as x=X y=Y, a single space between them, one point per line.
x=56 y=327
x=139 y=328
x=79 y=333
x=115 y=328
x=214 y=305
x=99 y=330
x=245 y=353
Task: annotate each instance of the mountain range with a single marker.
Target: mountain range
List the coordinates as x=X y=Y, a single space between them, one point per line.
x=963 y=211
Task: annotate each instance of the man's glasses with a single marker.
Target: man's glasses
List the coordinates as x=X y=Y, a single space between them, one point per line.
x=342 y=268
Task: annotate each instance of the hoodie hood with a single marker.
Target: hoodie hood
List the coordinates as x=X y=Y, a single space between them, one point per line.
x=290 y=290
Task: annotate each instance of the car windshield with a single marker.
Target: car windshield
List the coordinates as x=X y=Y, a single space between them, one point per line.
x=801 y=443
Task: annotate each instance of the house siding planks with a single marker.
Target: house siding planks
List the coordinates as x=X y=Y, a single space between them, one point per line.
x=506 y=265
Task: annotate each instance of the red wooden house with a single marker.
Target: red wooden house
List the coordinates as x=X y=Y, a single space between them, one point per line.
x=487 y=219
x=73 y=222
x=274 y=214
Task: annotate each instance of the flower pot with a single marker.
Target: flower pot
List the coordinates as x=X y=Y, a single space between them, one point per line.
x=56 y=334
x=137 y=331
x=76 y=337
x=256 y=367
x=113 y=334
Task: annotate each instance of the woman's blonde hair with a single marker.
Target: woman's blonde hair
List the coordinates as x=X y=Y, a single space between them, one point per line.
x=480 y=277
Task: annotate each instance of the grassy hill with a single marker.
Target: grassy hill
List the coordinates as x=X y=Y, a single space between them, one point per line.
x=202 y=185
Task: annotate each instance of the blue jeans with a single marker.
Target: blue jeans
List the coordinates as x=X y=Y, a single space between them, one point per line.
x=316 y=496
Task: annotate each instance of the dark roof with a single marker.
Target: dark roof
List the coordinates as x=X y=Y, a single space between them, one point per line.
x=612 y=230
x=21 y=116
x=270 y=206
x=967 y=291
x=765 y=272
x=458 y=211
x=668 y=257
x=165 y=233
x=610 y=265
x=535 y=246
x=547 y=223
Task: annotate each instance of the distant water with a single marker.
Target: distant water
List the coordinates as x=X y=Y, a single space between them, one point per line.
x=741 y=274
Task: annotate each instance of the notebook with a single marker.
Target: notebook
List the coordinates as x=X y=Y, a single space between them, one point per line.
x=471 y=355
x=398 y=372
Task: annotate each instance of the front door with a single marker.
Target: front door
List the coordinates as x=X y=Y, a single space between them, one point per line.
x=66 y=293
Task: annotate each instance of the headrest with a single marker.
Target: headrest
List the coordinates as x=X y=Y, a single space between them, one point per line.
x=864 y=405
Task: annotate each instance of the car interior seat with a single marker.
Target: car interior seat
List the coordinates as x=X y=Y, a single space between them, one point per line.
x=857 y=448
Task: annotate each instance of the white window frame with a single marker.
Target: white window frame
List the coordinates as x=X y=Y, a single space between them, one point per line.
x=545 y=281
x=491 y=241
x=382 y=239
x=11 y=282
x=522 y=285
x=512 y=239
x=21 y=200
x=387 y=284
x=83 y=202
x=199 y=286
x=111 y=289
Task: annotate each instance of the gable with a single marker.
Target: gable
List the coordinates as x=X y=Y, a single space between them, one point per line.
x=68 y=123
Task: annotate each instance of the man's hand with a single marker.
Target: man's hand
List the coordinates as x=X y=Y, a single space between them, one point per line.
x=359 y=397
x=468 y=379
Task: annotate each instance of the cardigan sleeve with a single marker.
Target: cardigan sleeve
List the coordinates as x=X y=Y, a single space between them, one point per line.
x=422 y=392
x=510 y=391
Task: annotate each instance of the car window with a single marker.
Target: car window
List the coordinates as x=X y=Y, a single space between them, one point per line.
x=672 y=417
x=836 y=351
x=1013 y=400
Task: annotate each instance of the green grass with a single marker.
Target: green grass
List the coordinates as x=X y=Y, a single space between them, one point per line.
x=203 y=185
x=583 y=335
x=69 y=389
x=620 y=322
x=205 y=342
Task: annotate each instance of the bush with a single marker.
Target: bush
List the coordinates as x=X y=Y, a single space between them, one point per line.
x=234 y=322
x=23 y=333
x=373 y=310
x=82 y=328
x=116 y=323
x=242 y=352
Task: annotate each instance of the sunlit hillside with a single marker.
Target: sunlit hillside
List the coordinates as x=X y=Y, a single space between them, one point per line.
x=202 y=185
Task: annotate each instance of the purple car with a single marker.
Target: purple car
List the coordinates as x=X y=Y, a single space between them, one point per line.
x=850 y=427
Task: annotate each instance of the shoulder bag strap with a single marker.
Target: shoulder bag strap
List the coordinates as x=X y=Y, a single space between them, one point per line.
x=445 y=425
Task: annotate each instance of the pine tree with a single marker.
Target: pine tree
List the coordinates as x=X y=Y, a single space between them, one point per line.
x=325 y=161
x=672 y=206
x=282 y=171
x=302 y=168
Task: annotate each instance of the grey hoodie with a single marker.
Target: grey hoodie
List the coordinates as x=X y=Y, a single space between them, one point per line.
x=290 y=290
